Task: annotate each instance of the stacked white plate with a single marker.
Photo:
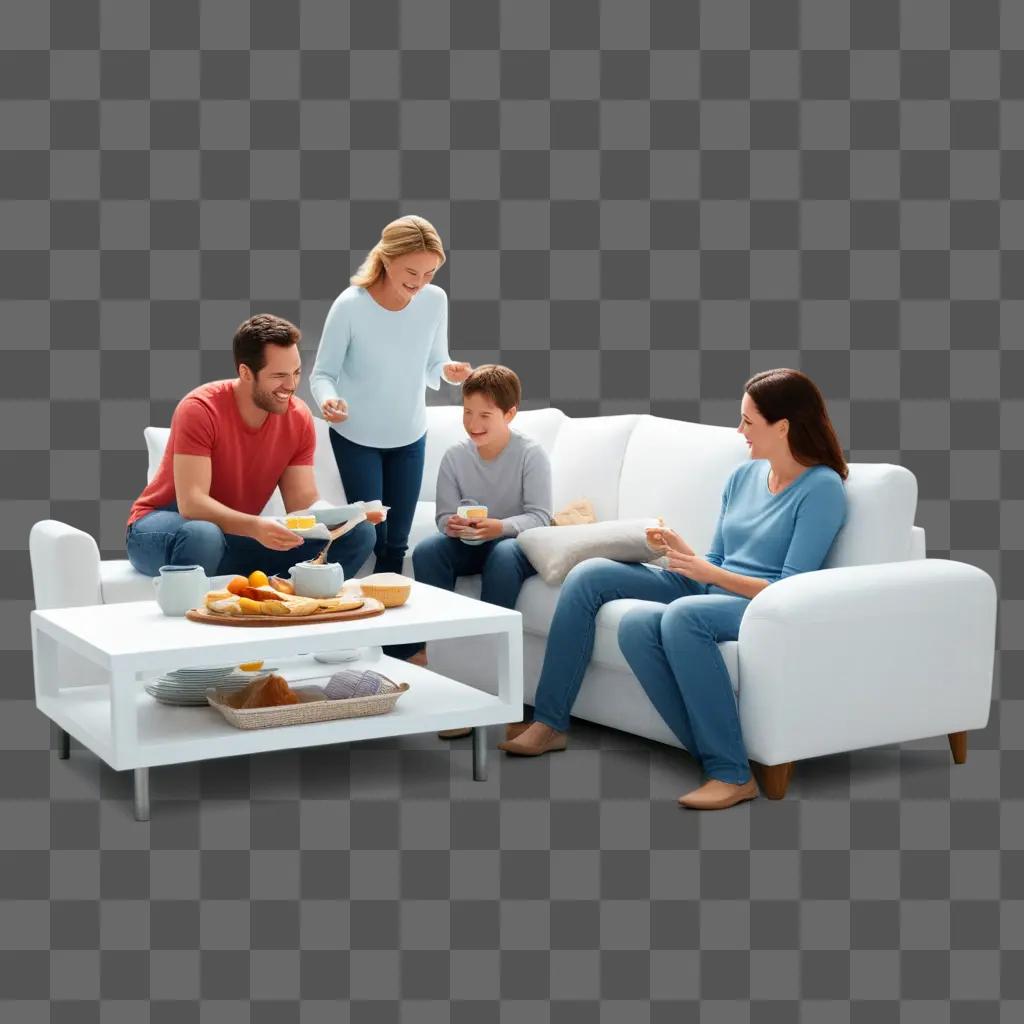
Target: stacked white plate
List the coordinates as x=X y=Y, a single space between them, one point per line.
x=186 y=687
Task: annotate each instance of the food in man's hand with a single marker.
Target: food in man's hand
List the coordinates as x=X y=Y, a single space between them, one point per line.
x=300 y=522
x=238 y=584
x=258 y=579
x=282 y=586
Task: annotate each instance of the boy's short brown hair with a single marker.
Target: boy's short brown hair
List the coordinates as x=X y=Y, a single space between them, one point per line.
x=498 y=383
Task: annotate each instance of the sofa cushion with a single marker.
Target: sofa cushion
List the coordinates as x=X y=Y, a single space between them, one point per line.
x=881 y=500
x=120 y=582
x=677 y=471
x=587 y=460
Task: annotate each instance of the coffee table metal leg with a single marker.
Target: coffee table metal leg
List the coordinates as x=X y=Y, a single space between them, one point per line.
x=142 y=794
x=63 y=744
x=480 y=753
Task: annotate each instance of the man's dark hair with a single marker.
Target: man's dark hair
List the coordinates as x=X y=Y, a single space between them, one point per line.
x=257 y=332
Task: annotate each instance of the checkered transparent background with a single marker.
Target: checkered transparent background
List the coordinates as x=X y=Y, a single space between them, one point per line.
x=644 y=203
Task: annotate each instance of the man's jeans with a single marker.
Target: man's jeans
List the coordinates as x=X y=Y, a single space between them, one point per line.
x=440 y=560
x=165 y=537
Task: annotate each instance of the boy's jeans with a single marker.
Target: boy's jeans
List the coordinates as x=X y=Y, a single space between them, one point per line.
x=440 y=560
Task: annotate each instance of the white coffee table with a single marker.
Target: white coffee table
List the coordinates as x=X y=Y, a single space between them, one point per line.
x=121 y=646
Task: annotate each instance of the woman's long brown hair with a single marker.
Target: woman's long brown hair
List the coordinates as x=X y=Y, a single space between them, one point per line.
x=792 y=395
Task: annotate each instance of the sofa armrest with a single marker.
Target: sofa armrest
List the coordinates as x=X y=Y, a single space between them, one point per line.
x=65 y=566
x=861 y=656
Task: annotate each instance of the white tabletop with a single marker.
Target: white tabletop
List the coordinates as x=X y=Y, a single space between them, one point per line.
x=132 y=634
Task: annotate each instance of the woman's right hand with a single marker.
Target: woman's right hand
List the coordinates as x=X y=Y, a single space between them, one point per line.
x=274 y=535
x=663 y=539
x=335 y=410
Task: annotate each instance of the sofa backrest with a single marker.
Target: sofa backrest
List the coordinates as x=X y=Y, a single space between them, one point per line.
x=677 y=470
x=637 y=466
x=881 y=500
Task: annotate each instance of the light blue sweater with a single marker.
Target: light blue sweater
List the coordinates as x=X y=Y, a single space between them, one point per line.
x=772 y=536
x=379 y=360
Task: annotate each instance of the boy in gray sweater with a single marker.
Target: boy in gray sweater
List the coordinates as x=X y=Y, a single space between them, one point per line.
x=497 y=467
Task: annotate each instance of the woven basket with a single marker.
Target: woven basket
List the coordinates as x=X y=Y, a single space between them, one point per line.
x=315 y=707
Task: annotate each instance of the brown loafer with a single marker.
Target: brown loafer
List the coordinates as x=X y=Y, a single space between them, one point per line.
x=453 y=734
x=536 y=739
x=716 y=795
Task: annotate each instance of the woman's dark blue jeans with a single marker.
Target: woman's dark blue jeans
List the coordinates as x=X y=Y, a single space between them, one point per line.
x=390 y=475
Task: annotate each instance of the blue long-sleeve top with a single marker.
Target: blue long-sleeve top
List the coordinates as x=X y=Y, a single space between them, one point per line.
x=772 y=536
x=379 y=361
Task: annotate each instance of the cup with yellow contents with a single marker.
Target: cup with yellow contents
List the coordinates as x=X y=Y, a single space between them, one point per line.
x=471 y=511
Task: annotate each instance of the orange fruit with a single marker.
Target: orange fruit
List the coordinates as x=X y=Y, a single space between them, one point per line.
x=237 y=584
x=258 y=579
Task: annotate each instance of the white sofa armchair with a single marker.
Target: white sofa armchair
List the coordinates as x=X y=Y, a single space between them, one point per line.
x=880 y=646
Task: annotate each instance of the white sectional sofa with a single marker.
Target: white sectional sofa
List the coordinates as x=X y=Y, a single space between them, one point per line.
x=881 y=646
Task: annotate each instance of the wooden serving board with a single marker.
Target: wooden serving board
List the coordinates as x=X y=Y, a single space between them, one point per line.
x=371 y=606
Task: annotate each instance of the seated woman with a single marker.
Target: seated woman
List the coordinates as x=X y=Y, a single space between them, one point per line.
x=780 y=514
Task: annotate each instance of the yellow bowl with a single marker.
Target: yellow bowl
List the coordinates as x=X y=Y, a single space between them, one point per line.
x=391 y=589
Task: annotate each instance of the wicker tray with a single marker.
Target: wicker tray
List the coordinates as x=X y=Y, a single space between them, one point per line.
x=315 y=707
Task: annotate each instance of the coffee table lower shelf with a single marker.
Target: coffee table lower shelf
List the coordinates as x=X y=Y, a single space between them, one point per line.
x=176 y=735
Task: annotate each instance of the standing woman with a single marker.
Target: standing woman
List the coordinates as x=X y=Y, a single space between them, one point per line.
x=385 y=337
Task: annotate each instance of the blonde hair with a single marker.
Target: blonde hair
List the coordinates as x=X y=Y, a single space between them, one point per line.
x=400 y=237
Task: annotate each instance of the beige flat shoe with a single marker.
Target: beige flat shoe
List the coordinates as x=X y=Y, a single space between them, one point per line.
x=716 y=795
x=453 y=734
x=535 y=739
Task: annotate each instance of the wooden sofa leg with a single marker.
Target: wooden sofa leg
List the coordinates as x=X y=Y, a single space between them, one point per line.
x=773 y=779
x=958 y=745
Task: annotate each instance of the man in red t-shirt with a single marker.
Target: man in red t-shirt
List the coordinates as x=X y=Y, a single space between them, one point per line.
x=231 y=443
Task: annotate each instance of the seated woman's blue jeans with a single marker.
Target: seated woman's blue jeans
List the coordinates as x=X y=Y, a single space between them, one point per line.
x=671 y=645
x=390 y=475
x=440 y=560
x=165 y=537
